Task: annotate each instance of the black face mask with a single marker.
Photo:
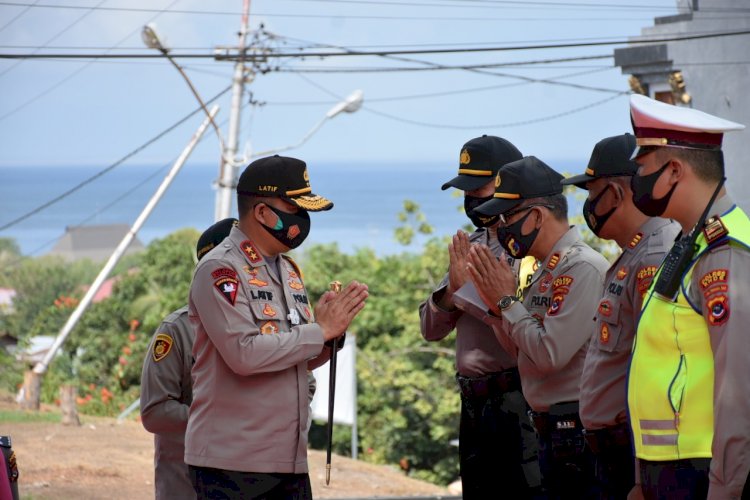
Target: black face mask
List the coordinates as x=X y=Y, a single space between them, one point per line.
x=479 y=220
x=516 y=244
x=290 y=229
x=593 y=221
x=643 y=187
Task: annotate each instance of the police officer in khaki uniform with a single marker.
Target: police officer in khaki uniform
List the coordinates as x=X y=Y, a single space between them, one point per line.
x=548 y=327
x=256 y=338
x=688 y=390
x=610 y=214
x=492 y=448
x=167 y=389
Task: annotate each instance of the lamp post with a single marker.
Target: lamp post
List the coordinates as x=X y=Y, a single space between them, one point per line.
x=230 y=164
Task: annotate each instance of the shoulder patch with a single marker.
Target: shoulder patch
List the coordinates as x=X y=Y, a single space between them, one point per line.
x=249 y=250
x=718 y=310
x=644 y=277
x=714 y=229
x=562 y=283
x=714 y=281
x=636 y=239
x=557 y=303
x=226 y=283
x=162 y=346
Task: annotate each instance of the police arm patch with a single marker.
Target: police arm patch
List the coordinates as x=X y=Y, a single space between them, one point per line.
x=226 y=283
x=162 y=346
x=718 y=310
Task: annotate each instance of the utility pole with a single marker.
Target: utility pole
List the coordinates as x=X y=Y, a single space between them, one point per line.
x=229 y=162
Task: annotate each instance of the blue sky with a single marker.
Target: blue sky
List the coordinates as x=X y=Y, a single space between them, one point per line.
x=76 y=112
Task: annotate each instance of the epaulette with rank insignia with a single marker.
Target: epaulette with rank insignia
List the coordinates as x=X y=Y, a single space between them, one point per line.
x=295 y=266
x=714 y=230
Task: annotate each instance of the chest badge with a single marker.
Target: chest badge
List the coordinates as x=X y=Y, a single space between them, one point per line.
x=269 y=311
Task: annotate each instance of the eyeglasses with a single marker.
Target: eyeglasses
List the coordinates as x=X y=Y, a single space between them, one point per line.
x=507 y=215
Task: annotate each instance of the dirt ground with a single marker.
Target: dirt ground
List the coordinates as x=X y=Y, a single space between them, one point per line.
x=102 y=459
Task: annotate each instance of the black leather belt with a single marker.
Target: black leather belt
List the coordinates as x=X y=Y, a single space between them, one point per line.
x=560 y=417
x=494 y=383
x=606 y=438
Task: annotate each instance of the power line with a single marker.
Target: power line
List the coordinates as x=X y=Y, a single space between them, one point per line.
x=112 y=166
x=14 y=18
x=495 y=125
x=263 y=57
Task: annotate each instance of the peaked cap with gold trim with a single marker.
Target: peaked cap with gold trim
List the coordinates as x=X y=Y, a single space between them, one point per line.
x=281 y=177
x=521 y=180
x=657 y=124
x=610 y=158
x=479 y=161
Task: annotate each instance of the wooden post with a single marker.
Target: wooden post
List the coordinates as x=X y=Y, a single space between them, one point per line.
x=32 y=383
x=68 y=406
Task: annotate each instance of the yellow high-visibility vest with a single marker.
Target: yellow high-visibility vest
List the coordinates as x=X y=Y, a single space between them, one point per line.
x=671 y=376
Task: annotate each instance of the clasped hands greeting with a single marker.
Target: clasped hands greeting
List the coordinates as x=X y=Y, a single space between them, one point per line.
x=492 y=277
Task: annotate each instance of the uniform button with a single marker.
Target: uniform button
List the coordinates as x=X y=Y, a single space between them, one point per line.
x=226 y=245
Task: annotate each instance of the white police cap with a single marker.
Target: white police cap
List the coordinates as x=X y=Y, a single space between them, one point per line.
x=657 y=124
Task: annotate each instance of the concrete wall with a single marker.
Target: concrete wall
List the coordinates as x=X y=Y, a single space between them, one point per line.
x=716 y=72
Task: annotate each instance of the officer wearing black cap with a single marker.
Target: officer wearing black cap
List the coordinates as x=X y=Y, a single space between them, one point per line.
x=547 y=326
x=167 y=388
x=610 y=214
x=493 y=428
x=688 y=391
x=256 y=338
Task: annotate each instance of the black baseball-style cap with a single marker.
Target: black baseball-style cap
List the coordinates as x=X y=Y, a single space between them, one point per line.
x=521 y=180
x=479 y=161
x=281 y=177
x=610 y=158
x=214 y=235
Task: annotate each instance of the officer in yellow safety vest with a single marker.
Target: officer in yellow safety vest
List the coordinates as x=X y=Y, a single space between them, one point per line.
x=689 y=381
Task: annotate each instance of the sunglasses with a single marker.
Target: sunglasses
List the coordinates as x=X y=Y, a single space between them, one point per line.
x=507 y=215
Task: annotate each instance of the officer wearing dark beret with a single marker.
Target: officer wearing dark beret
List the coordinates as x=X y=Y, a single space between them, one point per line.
x=167 y=388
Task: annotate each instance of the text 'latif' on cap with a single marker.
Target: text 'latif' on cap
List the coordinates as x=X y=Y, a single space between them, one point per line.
x=281 y=177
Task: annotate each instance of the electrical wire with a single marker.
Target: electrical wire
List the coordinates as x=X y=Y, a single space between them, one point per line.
x=112 y=166
x=358 y=53
x=17 y=16
x=494 y=125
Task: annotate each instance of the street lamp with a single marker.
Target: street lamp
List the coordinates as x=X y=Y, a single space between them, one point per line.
x=349 y=105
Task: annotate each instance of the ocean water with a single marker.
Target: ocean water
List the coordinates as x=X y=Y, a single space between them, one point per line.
x=367 y=199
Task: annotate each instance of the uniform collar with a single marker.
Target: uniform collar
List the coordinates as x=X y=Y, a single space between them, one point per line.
x=722 y=206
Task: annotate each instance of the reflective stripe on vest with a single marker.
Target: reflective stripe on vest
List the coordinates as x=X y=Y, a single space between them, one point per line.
x=671 y=377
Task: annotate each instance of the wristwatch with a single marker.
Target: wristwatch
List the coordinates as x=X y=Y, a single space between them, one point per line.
x=506 y=301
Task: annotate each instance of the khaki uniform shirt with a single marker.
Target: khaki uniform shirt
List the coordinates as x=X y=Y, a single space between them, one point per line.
x=253 y=338
x=603 y=384
x=166 y=393
x=477 y=350
x=722 y=275
x=551 y=326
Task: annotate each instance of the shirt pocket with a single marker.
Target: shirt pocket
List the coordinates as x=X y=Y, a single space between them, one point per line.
x=268 y=316
x=608 y=325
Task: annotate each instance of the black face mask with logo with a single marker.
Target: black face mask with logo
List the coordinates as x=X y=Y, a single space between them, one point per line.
x=643 y=188
x=290 y=229
x=593 y=221
x=479 y=220
x=516 y=244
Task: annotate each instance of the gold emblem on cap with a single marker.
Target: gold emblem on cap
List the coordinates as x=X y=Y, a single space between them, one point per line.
x=306 y=176
x=497 y=181
x=465 y=158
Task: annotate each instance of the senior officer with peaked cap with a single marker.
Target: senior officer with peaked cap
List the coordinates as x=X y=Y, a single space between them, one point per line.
x=546 y=327
x=688 y=390
x=256 y=338
x=496 y=443
x=610 y=214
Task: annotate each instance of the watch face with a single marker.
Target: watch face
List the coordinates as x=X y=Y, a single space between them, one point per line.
x=506 y=301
